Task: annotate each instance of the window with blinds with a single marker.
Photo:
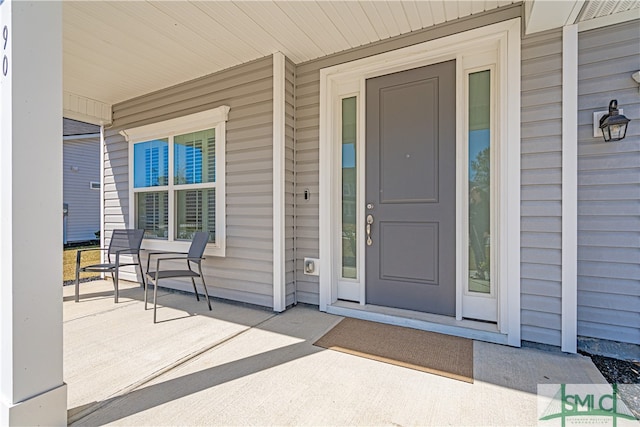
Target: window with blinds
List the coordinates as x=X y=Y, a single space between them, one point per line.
x=193 y=186
x=178 y=180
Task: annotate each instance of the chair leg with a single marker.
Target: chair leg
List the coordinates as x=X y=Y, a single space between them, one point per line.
x=155 y=297
x=144 y=283
x=115 y=284
x=77 y=285
x=194 y=289
x=142 y=274
x=206 y=293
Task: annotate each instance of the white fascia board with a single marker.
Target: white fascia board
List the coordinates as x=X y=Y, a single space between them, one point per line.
x=541 y=15
x=83 y=109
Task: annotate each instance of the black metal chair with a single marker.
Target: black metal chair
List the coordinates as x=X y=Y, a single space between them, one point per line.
x=194 y=256
x=123 y=242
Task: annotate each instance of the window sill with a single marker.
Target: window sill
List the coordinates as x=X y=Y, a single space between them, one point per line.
x=180 y=246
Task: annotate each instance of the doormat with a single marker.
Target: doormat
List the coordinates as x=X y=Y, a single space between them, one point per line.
x=439 y=354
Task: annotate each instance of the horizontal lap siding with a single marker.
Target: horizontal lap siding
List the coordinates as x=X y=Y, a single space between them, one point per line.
x=609 y=188
x=246 y=273
x=307 y=178
x=541 y=186
x=307 y=121
x=289 y=212
x=81 y=166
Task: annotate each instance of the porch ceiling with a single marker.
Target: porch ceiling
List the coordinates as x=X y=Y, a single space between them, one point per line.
x=118 y=50
x=114 y=51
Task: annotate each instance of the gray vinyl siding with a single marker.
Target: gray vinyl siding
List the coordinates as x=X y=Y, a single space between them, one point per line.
x=290 y=188
x=81 y=166
x=541 y=188
x=609 y=187
x=307 y=178
x=307 y=131
x=246 y=272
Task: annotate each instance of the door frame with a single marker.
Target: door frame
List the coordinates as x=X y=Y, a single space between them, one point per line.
x=348 y=79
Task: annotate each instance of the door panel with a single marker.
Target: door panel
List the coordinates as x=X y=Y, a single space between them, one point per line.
x=410 y=183
x=420 y=260
x=408 y=142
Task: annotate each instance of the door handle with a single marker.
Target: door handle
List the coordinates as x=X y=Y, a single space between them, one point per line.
x=368 y=228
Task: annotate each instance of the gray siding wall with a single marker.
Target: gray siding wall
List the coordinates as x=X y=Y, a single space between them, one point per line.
x=609 y=187
x=307 y=132
x=81 y=165
x=541 y=188
x=290 y=188
x=246 y=273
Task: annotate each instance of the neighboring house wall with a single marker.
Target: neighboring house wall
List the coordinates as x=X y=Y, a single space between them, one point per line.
x=609 y=187
x=307 y=131
x=541 y=188
x=81 y=166
x=246 y=273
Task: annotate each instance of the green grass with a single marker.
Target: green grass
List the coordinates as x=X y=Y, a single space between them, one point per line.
x=69 y=262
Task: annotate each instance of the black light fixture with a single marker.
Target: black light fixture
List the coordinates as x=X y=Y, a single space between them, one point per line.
x=613 y=125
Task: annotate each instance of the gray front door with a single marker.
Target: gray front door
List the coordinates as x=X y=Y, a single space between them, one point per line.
x=410 y=189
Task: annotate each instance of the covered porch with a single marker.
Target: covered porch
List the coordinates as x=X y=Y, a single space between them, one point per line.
x=244 y=365
x=128 y=65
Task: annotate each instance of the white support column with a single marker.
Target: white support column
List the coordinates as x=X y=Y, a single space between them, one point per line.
x=279 y=273
x=569 y=188
x=32 y=391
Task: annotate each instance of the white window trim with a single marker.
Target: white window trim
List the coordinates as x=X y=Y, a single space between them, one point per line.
x=339 y=80
x=214 y=118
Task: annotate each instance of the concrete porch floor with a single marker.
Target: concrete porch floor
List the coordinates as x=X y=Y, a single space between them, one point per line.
x=240 y=365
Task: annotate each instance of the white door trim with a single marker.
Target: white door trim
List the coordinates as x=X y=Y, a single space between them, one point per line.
x=343 y=78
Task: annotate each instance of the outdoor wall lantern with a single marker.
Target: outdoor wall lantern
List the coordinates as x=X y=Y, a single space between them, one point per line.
x=613 y=125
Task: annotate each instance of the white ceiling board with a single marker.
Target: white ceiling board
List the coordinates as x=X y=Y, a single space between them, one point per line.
x=599 y=9
x=209 y=28
x=376 y=20
x=361 y=20
x=450 y=10
x=413 y=16
x=182 y=46
x=426 y=16
x=320 y=29
x=464 y=8
x=437 y=9
x=492 y=4
x=477 y=7
x=275 y=22
x=396 y=21
x=229 y=18
x=114 y=51
x=340 y=14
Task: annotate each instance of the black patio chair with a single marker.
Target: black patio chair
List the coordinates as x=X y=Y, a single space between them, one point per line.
x=123 y=242
x=194 y=256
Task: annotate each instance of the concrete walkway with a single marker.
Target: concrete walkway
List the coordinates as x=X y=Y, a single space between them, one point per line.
x=239 y=365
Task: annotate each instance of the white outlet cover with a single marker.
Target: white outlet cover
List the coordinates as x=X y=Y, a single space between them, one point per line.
x=316 y=265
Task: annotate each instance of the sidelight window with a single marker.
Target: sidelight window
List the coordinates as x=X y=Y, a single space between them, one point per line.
x=479 y=184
